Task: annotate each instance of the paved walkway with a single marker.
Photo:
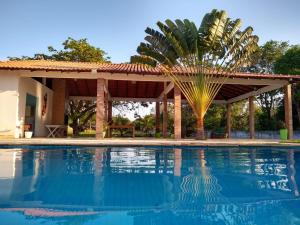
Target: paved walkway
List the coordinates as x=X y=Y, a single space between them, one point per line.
x=142 y=142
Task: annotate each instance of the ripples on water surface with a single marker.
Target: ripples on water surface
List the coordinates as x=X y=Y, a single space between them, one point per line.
x=149 y=186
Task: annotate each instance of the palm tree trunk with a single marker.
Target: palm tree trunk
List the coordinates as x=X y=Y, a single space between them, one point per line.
x=200 y=135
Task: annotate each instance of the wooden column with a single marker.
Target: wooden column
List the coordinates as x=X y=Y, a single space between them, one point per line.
x=100 y=114
x=251 y=118
x=288 y=110
x=177 y=113
x=59 y=98
x=109 y=117
x=157 y=117
x=109 y=111
x=106 y=106
x=228 y=120
x=165 y=114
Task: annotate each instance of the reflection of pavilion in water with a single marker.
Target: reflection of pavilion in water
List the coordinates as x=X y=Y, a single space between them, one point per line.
x=154 y=183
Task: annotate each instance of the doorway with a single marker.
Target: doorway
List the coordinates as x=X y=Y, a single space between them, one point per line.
x=30 y=112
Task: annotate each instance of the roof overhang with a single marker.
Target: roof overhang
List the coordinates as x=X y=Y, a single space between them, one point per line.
x=138 y=82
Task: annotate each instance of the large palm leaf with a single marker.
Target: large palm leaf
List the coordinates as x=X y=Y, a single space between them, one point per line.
x=198 y=60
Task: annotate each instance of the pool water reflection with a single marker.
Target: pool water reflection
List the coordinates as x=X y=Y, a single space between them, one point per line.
x=157 y=186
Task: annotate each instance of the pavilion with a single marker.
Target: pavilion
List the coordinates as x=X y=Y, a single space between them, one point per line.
x=48 y=85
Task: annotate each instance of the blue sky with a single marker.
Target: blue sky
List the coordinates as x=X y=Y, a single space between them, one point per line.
x=117 y=26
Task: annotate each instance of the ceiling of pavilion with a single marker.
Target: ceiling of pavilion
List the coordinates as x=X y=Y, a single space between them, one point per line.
x=143 y=89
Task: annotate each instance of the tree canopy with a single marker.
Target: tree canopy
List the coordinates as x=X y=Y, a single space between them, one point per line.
x=263 y=62
x=73 y=50
x=289 y=63
x=266 y=56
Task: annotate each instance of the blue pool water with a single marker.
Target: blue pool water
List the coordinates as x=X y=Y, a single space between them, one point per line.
x=149 y=185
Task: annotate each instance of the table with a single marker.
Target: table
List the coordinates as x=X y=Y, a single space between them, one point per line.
x=56 y=130
x=128 y=126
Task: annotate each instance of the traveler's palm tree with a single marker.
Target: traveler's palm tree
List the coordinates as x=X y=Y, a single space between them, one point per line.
x=198 y=61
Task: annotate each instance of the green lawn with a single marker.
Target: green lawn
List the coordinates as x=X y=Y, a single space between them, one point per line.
x=290 y=141
x=87 y=133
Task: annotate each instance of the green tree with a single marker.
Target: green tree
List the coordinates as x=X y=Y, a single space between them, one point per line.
x=120 y=120
x=78 y=51
x=182 y=51
x=80 y=113
x=240 y=115
x=264 y=60
x=289 y=63
x=73 y=50
x=148 y=124
x=267 y=54
x=188 y=121
x=123 y=107
x=215 y=117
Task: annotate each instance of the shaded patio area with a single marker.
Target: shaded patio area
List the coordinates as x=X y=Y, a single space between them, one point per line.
x=106 y=83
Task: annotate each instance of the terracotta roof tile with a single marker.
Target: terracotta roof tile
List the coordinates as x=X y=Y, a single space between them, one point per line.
x=50 y=65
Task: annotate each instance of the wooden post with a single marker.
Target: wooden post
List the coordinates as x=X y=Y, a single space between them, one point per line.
x=165 y=114
x=177 y=113
x=109 y=111
x=228 y=120
x=100 y=108
x=157 y=117
x=288 y=110
x=106 y=106
x=251 y=118
x=59 y=98
x=109 y=117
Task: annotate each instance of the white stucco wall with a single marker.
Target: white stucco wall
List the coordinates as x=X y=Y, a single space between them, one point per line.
x=9 y=85
x=32 y=87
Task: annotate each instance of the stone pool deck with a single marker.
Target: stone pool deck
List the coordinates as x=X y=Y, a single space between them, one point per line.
x=143 y=142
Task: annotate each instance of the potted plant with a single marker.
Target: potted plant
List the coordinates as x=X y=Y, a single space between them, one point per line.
x=283 y=132
x=28 y=134
x=27 y=131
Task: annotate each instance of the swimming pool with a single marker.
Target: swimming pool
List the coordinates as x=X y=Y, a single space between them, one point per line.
x=149 y=185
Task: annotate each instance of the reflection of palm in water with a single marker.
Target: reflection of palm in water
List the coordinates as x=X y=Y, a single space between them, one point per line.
x=196 y=186
x=200 y=183
x=201 y=193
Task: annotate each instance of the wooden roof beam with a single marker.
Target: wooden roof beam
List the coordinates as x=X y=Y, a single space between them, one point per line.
x=136 y=99
x=254 y=93
x=166 y=90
